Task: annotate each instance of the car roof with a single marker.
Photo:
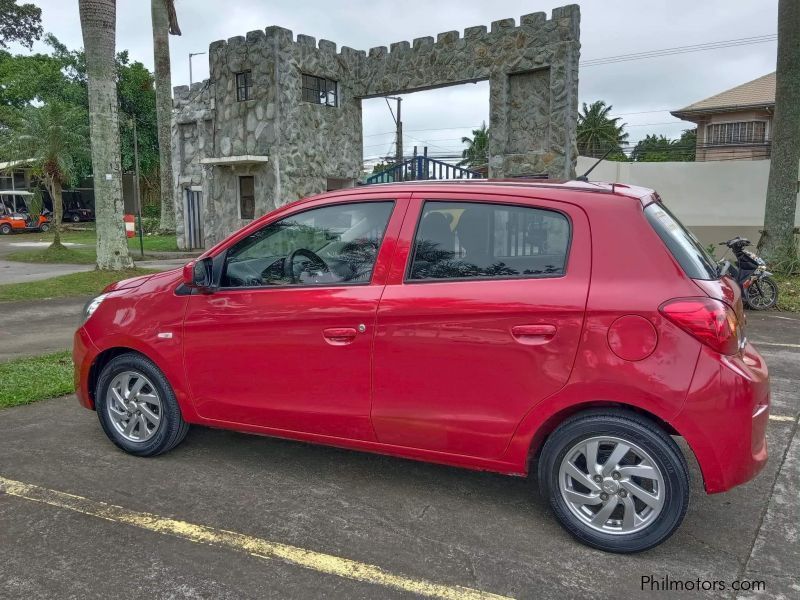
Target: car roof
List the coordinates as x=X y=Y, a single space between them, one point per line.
x=540 y=188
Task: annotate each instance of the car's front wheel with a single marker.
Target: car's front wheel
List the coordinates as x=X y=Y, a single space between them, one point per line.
x=615 y=480
x=137 y=407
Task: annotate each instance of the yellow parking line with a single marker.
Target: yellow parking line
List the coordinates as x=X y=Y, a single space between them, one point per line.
x=782 y=418
x=260 y=548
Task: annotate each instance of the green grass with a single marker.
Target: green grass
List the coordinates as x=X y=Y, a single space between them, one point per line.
x=25 y=380
x=788 y=292
x=78 y=256
x=75 y=284
x=86 y=255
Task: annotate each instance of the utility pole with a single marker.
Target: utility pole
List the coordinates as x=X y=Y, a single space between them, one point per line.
x=398 y=122
x=191 y=54
x=136 y=187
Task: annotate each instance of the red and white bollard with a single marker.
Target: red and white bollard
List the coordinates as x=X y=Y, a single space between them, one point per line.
x=130 y=226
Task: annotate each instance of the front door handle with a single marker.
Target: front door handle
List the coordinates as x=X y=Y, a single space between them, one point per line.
x=339 y=336
x=533 y=334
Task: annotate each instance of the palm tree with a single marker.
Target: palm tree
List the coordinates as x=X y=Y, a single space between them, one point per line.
x=51 y=139
x=98 y=24
x=598 y=133
x=476 y=154
x=165 y=22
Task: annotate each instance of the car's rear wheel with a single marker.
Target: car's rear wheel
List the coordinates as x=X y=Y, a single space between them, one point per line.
x=44 y=227
x=615 y=480
x=5 y=229
x=76 y=219
x=137 y=407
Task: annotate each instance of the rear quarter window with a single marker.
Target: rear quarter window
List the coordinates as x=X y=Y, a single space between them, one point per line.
x=686 y=248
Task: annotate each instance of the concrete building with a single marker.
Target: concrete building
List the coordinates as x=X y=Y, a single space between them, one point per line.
x=734 y=124
x=280 y=116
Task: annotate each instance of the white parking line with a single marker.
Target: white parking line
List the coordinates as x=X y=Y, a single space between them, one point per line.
x=760 y=343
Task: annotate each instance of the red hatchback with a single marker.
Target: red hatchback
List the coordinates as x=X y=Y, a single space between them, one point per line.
x=571 y=329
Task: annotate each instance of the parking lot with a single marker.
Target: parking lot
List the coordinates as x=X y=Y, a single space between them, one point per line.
x=229 y=515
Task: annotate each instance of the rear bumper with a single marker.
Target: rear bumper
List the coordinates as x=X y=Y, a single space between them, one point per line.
x=84 y=353
x=725 y=417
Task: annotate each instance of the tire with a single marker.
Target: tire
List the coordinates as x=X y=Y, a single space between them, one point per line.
x=615 y=533
x=76 y=219
x=760 y=301
x=5 y=229
x=44 y=227
x=145 y=437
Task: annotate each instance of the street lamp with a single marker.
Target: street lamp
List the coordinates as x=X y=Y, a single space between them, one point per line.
x=191 y=54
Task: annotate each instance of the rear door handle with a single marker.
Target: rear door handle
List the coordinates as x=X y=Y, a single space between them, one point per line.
x=533 y=334
x=339 y=336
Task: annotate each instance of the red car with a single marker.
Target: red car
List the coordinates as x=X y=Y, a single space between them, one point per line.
x=567 y=329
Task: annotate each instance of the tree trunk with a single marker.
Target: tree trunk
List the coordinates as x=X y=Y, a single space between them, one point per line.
x=58 y=211
x=163 y=109
x=98 y=24
x=782 y=188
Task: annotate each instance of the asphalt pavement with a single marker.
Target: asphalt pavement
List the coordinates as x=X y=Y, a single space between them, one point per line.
x=229 y=515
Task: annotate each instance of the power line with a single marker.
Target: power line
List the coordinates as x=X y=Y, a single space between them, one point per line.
x=761 y=39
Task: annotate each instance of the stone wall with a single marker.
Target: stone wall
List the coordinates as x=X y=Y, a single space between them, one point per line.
x=532 y=69
x=192 y=135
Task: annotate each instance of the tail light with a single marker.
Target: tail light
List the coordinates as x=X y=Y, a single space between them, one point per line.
x=711 y=321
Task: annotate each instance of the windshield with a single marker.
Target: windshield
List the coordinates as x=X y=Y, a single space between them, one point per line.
x=686 y=248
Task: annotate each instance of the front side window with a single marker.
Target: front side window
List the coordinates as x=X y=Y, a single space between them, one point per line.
x=244 y=86
x=247 y=197
x=332 y=245
x=319 y=90
x=463 y=240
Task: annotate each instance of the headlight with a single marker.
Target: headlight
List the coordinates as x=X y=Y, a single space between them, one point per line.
x=92 y=305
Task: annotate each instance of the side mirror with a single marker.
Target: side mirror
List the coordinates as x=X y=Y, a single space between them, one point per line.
x=197 y=274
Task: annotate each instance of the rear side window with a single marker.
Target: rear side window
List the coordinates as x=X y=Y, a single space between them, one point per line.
x=686 y=249
x=468 y=240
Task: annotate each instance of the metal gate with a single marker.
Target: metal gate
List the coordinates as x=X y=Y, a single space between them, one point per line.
x=193 y=218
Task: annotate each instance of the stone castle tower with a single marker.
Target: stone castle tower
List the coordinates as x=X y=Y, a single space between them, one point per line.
x=280 y=117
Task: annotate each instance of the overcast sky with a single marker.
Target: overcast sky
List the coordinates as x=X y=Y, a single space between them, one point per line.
x=640 y=91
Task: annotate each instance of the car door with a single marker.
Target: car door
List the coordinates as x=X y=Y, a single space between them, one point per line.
x=288 y=347
x=480 y=319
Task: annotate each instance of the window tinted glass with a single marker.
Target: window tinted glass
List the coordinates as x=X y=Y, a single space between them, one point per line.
x=686 y=249
x=457 y=240
x=324 y=246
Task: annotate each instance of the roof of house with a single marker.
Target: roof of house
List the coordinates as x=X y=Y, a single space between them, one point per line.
x=15 y=163
x=759 y=92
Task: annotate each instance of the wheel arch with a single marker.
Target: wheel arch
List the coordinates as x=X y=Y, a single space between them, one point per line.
x=550 y=423
x=105 y=357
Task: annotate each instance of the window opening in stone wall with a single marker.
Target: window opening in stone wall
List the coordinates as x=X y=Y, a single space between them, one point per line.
x=247 y=197
x=319 y=90
x=244 y=86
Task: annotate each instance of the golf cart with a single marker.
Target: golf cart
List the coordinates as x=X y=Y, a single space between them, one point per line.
x=14 y=215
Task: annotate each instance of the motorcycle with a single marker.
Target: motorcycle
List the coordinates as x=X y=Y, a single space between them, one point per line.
x=759 y=289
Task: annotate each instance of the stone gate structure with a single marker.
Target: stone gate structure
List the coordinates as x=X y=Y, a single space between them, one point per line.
x=280 y=118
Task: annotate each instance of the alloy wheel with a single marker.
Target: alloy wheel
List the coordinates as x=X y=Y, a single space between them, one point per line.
x=612 y=485
x=134 y=406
